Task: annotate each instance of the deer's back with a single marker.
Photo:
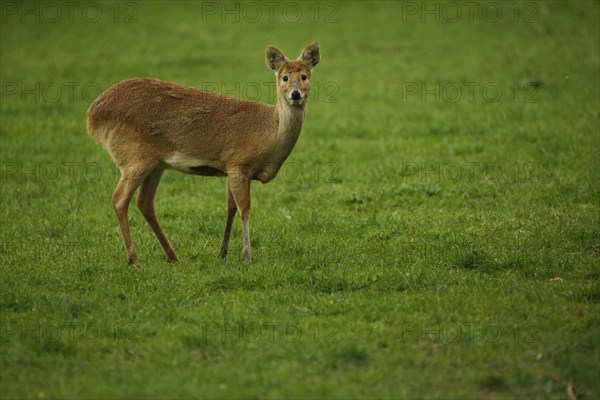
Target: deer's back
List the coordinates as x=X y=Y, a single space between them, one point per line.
x=166 y=119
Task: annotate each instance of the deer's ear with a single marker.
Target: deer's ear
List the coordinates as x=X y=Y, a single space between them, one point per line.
x=311 y=55
x=275 y=58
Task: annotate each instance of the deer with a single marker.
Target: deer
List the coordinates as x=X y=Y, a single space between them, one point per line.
x=148 y=126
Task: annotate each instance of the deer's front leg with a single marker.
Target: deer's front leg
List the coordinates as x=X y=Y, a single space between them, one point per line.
x=240 y=190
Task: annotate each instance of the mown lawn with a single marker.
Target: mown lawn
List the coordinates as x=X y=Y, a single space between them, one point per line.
x=434 y=234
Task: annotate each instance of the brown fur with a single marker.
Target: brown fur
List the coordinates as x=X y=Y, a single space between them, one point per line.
x=148 y=125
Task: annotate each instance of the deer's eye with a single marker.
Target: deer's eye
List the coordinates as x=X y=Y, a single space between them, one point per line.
x=285 y=78
x=304 y=77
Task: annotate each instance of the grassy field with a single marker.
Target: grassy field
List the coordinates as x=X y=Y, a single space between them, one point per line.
x=434 y=234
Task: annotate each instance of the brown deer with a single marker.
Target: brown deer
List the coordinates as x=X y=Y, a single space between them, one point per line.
x=148 y=125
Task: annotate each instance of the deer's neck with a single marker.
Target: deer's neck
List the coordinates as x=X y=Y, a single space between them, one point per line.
x=290 y=120
x=287 y=130
x=289 y=126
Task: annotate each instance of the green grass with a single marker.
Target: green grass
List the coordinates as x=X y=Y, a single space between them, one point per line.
x=411 y=247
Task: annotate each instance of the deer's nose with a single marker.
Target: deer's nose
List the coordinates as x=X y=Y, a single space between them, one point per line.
x=296 y=95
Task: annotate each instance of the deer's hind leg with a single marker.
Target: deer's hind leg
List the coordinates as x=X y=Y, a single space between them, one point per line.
x=145 y=203
x=231 y=210
x=131 y=179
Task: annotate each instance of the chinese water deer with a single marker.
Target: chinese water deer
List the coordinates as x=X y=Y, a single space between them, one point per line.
x=148 y=125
